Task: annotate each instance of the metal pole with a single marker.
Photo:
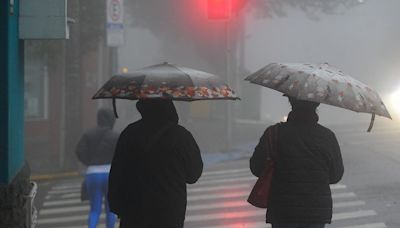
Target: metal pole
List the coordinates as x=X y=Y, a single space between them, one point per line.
x=228 y=120
x=62 y=116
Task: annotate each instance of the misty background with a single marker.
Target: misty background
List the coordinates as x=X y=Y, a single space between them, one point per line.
x=362 y=41
x=360 y=37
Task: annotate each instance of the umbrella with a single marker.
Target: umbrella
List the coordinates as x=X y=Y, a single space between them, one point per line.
x=166 y=81
x=321 y=83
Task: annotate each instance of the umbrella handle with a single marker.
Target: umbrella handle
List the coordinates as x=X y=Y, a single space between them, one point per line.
x=371 y=123
x=114 y=107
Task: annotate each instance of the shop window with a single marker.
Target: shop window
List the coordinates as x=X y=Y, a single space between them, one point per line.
x=36 y=82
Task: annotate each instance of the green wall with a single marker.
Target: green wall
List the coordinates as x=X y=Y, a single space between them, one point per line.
x=11 y=95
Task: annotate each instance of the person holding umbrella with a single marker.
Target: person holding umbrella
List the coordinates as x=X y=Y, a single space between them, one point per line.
x=303 y=156
x=154 y=160
x=307 y=160
x=156 y=157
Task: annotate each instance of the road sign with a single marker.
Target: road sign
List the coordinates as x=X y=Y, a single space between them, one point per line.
x=115 y=23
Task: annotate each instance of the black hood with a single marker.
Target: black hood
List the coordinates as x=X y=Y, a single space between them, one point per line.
x=105 y=118
x=157 y=110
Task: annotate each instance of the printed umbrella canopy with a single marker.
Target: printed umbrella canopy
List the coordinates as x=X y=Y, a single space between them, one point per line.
x=166 y=81
x=321 y=83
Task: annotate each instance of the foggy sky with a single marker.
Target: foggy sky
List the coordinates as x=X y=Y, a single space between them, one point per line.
x=362 y=41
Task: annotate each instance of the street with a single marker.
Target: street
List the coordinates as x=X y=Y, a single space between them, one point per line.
x=368 y=196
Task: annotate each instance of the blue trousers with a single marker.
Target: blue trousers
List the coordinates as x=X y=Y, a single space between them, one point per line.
x=96 y=184
x=296 y=225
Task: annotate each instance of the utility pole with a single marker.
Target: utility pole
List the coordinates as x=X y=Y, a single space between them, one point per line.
x=221 y=10
x=230 y=77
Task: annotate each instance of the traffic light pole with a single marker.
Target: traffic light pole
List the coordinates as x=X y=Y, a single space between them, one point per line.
x=228 y=75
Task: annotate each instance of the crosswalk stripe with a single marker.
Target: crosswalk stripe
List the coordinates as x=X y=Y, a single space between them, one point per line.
x=337 y=186
x=348 y=204
x=246 y=178
x=194 y=198
x=225 y=176
x=230 y=204
x=60 y=187
x=242 y=225
x=353 y=214
x=227 y=180
x=65 y=219
x=228 y=215
x=216 y=188
x=100 y=225
x=215 y=216
x=70 y=195
x=61 y=202
x=371 y=225
x=55 y=192
x=264 y=225
x=218 y=196
x=246 y=193
x=255 y=213
x=60 y=210
x=227 y=171
x=343 y=195
x=191 y=188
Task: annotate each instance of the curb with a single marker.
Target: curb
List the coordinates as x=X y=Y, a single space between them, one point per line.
x=54 y=176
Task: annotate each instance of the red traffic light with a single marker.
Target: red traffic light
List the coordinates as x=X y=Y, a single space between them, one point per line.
x=219 y=9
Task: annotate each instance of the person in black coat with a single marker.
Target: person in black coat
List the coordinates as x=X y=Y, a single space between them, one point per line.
x=154 y=160
x=95 y=150
x=308 y=159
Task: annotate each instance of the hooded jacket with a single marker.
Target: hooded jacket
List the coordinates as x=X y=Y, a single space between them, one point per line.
x=97 y=145
x=307 y=161
x=154 y=160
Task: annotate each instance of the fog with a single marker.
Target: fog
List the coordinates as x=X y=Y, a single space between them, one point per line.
x=361 y=40
x=358 y=37
x=61 y=76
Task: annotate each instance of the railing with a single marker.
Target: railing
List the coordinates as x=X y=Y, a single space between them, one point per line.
x=31 y=212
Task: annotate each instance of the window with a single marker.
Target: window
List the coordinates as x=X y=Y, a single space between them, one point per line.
x=36 y=82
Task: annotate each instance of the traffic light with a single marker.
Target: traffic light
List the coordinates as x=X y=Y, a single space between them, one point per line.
x=219 y=9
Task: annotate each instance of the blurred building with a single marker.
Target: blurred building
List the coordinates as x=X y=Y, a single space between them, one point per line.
x=60 y=78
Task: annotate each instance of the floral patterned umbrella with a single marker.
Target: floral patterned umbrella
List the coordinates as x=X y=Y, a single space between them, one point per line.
x=166 y=81
x=321 y=83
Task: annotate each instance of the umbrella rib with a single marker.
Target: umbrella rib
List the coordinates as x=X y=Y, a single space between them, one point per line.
x=183 y=73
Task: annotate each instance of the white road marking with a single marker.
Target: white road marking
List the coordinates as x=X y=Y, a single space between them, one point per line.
x=371 y=225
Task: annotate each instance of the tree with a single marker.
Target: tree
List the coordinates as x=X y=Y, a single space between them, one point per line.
x=312 y=8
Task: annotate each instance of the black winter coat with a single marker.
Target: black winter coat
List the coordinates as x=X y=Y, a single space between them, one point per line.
x=97 y=145
x=148 y=177
x=308 y=160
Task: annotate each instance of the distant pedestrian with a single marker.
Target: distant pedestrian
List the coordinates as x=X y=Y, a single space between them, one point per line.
x=154 y=160
x=307 y=160
x=95 y=150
